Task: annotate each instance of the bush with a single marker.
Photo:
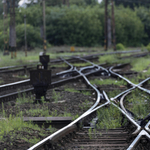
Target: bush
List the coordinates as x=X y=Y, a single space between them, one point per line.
x=129 y=27
x=84 y=25
x=33 y=36
x=120 y=46
x=73 y=26
x=148 y=47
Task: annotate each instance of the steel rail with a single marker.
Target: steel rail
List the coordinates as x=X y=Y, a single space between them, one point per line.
x=10 y=67
x=71 y=67
x=51 y=137
x=53 y=84
x=80 y=73
x=94 y=64
x=121 y=103
x=134 y=85
x=129 y=118
x=74 y=122
x=111 y=53
x=142 y=133
x=147 y=127
x=137 y=139
x=91 y=110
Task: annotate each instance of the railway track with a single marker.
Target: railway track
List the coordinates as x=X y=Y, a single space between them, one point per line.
x=83 y=134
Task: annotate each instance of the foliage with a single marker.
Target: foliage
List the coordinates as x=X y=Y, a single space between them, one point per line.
x=81 y=24
x=22 y=99
x=73 y=26
x=120 y=46
x=108 y=59
x=129 y=28
x=56 y=96
x=108 y=82
x=148 y=47
x=33 y=37
x=72 y=90
x=140 y=64
x=138 y=104
x=144 y=14
x=83 y=2
x=109 y=118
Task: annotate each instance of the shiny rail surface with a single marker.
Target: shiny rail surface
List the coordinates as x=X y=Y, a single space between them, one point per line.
x=83 y=73
x=139 y=131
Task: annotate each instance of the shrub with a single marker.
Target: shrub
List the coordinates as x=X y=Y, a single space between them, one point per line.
x=73 y=26
x=129 y=27
x=120 y=46
x=33 y=36
x=148 y=47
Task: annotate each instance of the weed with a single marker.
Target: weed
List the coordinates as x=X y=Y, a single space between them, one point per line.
x=108 y=59
x=90 y=133
x=109 y=118
x=140 y=64
x=72 y=90
x=85 y=105
x=56 y=96
x=139 y=104
x=54 y=113
x=23 y=99
x=108 y=82
x=75 y=117
x=113 y=93
x=81 y=64
x=86 y=93
x=44 y=112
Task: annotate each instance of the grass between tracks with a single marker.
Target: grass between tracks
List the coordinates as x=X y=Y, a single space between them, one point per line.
x=16 y=128
x=15 y=123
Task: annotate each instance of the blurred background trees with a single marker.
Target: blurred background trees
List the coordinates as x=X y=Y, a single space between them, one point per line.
x=80 y=24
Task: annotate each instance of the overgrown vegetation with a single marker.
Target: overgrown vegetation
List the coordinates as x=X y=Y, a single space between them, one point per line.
x=80 y=24
x=139 y=103
x=12 y=124
x=109 y=118
x=120 y=46
x=108 y=82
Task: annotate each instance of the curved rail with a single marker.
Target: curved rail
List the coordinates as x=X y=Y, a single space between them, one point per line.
x=89 y=111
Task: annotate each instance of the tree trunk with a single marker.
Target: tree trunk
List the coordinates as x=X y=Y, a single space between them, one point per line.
x=12 y=31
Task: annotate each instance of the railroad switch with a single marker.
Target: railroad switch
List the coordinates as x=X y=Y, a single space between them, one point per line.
x=44 y=59
x=40 y=79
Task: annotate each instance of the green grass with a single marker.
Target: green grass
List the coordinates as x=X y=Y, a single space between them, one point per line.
x=56 y=96
x=81 y=64
x=72 y=90
x=85 y=105
x=140 y=64
x=113 y=93
x=24 y=99
x=108 y=82
x=108 y=59
x=138 y=104
x=42 y=112
x=109 y=118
